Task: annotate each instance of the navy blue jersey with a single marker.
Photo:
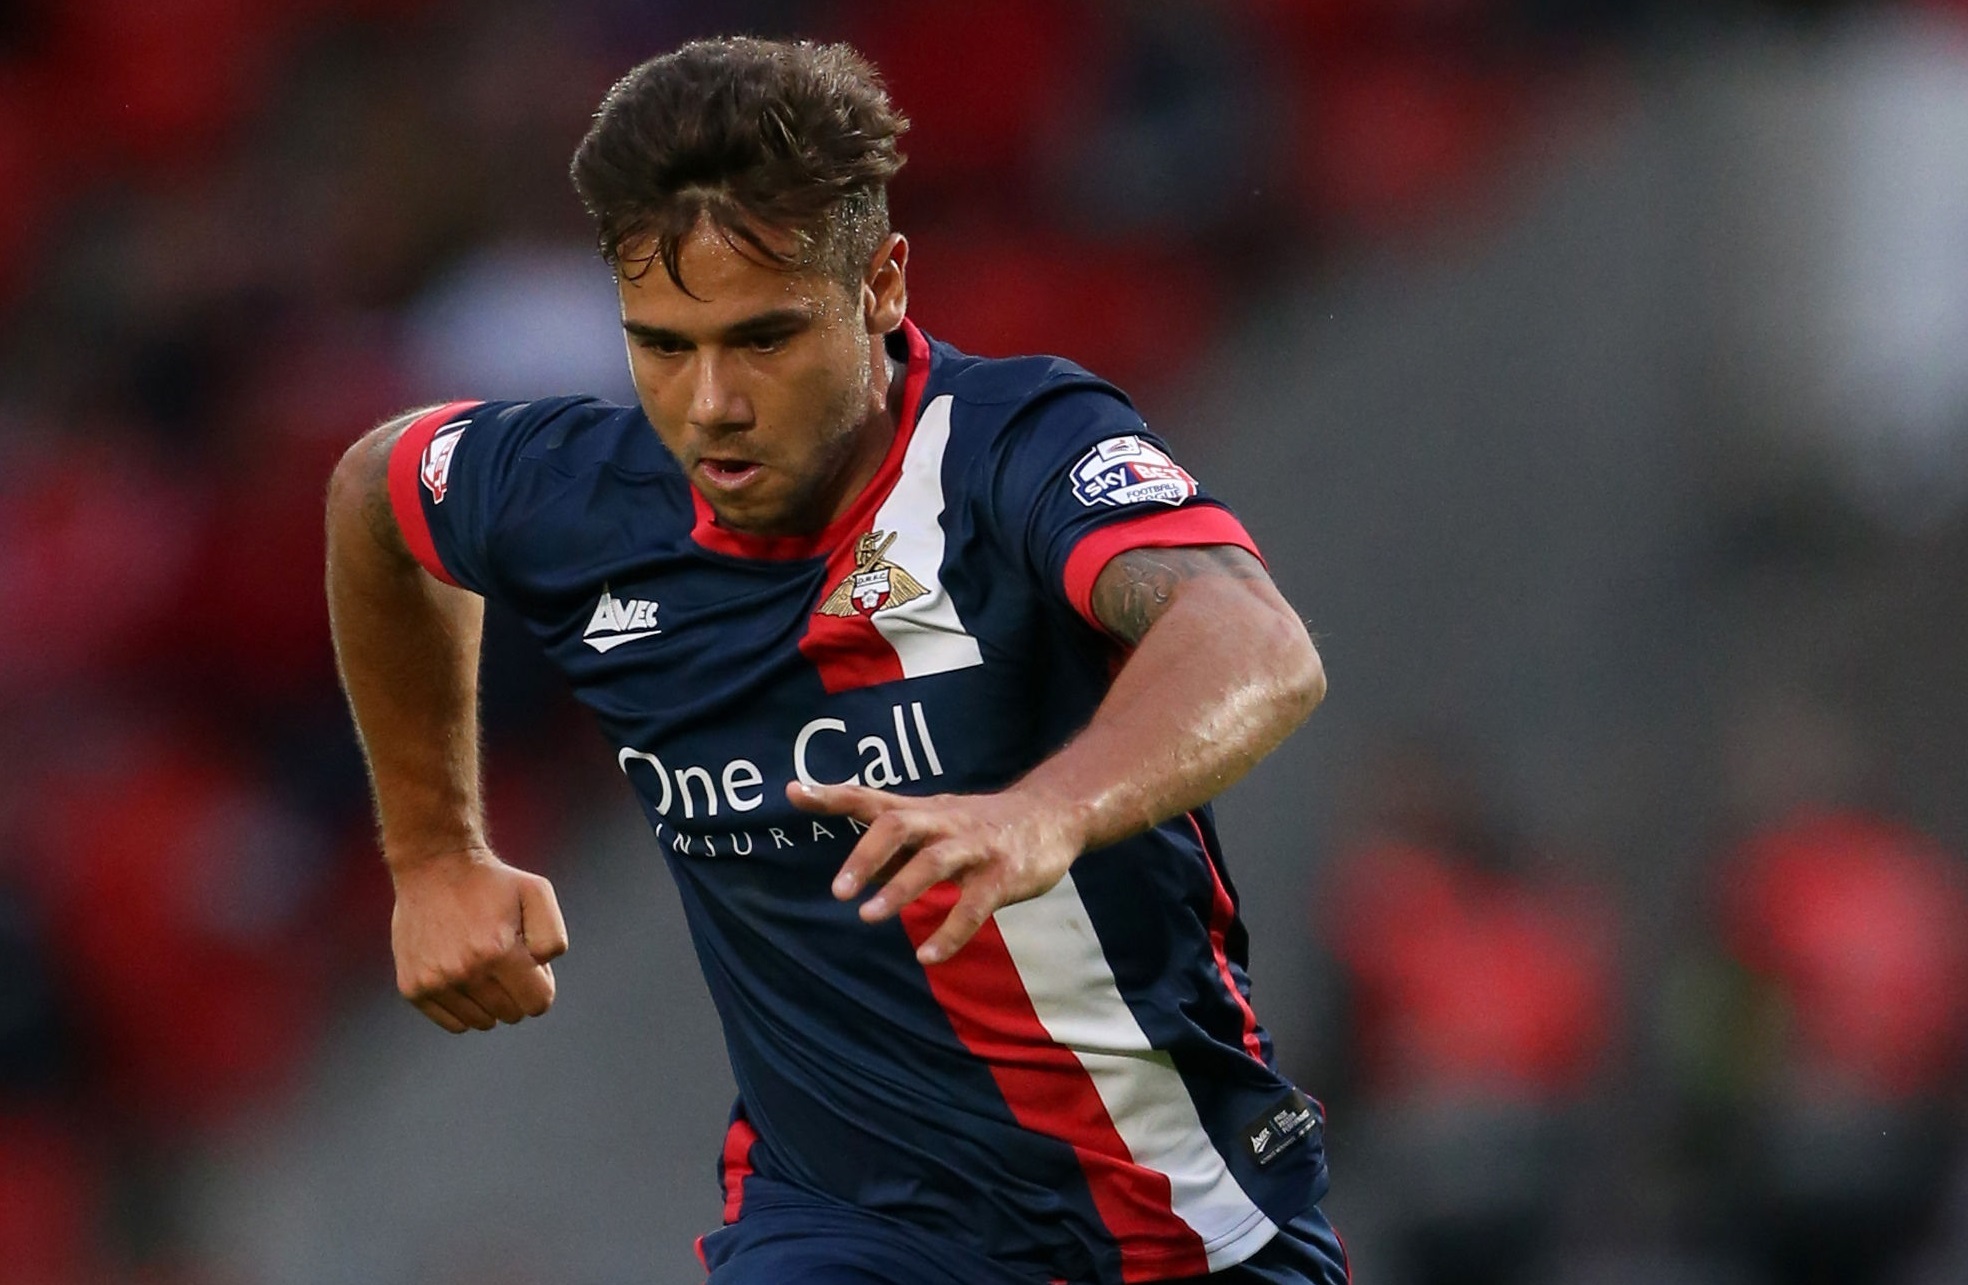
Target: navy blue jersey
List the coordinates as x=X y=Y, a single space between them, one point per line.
x=1082 y=1092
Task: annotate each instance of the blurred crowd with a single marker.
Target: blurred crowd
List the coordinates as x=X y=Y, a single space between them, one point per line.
x=236 y=233
x=1803 y=1051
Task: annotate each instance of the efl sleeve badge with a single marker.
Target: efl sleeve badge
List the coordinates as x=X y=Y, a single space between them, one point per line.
x=1128 y=470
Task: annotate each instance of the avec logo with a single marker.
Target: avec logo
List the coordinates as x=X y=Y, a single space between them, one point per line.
x=616 y=622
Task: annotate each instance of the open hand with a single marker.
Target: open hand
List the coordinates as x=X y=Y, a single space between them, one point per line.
x=996 y=848
x=473 y=939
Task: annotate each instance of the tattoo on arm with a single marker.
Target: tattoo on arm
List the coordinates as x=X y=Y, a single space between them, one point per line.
x=1136 y=587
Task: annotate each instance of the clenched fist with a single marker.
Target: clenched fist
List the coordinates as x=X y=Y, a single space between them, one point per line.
x=473 y=939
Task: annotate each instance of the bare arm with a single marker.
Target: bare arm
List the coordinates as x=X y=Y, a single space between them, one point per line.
x=471 y=935
x=407 y=647
x=1222 y=670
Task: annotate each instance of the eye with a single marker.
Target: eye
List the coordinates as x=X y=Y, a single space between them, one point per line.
x=770 y=342
x=662 y=345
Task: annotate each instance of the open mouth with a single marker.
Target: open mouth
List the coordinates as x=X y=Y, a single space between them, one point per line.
x=728 y=474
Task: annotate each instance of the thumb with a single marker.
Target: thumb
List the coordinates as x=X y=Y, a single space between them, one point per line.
x=540 y=924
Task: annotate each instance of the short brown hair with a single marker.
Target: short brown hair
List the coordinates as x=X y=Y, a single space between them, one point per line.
x=756 y=136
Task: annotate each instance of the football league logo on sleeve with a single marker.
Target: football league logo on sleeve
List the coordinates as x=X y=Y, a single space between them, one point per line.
x=435 y=468
x=1127 y=470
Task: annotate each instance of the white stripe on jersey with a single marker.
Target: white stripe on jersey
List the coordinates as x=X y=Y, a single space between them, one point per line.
x=925 y=632
x=1058 y=956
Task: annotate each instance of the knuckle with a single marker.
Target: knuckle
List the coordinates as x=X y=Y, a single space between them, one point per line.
x=953 y=860
x=423 y=986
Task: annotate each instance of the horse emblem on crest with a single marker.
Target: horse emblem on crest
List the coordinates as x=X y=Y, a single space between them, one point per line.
x=875 y=583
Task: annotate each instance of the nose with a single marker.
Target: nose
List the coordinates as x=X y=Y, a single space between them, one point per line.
x=717 y=396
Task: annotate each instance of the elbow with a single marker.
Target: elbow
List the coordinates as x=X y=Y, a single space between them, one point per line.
x=1299 y=672
x=1306 y=674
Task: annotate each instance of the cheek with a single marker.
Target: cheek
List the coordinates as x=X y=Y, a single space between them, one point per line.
x=658 y=395
x=805 y=406
x=654 y=397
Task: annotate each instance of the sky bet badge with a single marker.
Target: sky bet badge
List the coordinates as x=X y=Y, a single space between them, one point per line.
x=874 y=583
x=1127 y=470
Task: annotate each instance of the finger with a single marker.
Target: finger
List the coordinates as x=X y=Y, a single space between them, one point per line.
x=540 y=924
x=435 y=1012
x=972 y=911
x=488 y=994
x=935 y=864
x=891 y=840
x=857 y=801
x=456 y=1002
x=531 y=985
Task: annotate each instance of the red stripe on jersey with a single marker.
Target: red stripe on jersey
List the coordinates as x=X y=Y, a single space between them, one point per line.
x=1050 y=1093
x=848 y=651
x=736 y=1166
x=406 y=465
x=1222 y=911
x=1166 y=529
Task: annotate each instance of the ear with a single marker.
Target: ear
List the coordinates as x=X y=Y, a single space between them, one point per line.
x=885 y=288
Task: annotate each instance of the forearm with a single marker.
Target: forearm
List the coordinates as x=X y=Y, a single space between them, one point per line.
x=1224 y=671
x=407 y=647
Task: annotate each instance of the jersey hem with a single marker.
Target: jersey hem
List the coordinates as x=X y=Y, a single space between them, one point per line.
x=1234 y=1246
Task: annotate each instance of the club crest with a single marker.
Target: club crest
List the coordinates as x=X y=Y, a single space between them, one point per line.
x=875 y=583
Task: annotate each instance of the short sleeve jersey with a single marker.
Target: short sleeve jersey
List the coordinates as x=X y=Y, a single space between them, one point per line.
x=1082 y=1092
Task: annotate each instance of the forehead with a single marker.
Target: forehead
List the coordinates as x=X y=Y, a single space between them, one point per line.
x=727 y=285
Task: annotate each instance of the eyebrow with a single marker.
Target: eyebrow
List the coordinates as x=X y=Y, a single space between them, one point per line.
x=779 y=319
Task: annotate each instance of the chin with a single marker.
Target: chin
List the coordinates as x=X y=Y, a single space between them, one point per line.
x=756 y=519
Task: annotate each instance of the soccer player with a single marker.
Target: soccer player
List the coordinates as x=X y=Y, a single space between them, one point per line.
x=923 y=669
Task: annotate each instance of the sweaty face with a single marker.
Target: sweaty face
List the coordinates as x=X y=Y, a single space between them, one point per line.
x=766 y=387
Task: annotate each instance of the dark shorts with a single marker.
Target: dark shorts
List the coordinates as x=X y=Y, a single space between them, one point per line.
x=810 y=1245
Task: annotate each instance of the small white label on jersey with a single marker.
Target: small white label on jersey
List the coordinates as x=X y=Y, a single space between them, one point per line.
x=435 y=468
x=617 y=621
x=1127 y=470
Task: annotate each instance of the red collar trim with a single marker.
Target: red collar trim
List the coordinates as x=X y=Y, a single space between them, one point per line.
x=859 y=514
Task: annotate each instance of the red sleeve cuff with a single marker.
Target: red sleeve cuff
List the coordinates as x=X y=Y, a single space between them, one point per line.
x=1168 y=529
x=411 y=465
